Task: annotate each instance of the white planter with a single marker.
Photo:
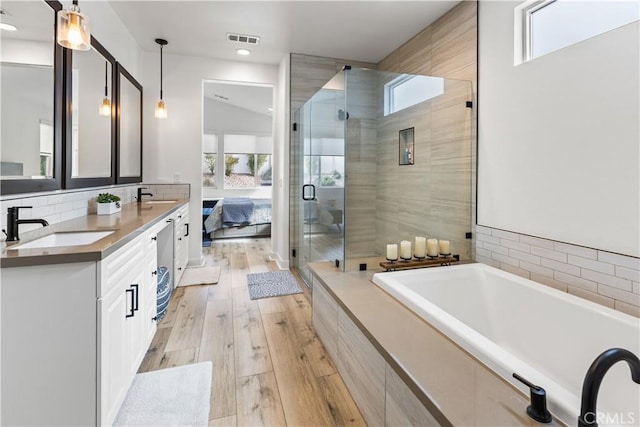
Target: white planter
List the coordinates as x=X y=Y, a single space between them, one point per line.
x=108 y=208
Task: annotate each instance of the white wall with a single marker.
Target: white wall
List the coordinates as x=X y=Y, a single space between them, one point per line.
x=173 y=146
x=280 y=177
x=558 y=137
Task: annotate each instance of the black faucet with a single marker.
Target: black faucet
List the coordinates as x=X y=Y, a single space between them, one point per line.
x=13 y=222
x=140 y=194
x=538 y=408
x=593 y=379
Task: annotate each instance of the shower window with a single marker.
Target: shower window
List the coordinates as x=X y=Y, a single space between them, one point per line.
x=406 y=91
x=551 y=25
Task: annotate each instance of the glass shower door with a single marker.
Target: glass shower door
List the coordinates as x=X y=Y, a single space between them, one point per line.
x=322 y=123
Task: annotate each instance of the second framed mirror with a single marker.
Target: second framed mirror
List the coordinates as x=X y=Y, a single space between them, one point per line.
x=129 y=128
x=91 y=119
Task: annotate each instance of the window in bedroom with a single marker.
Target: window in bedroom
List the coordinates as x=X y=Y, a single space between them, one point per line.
x=209 y=158
x=325 y=171
x=247 y=161
x=550 y=25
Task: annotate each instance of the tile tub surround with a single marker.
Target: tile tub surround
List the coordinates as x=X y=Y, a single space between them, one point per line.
x=57 y=207
x=434 y=368
x=605 y=278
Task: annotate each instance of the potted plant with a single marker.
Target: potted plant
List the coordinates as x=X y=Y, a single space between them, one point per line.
x=108 y=203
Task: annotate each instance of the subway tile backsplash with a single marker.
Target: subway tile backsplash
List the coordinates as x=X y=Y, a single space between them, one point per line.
x=60 y=207
x=609 y=279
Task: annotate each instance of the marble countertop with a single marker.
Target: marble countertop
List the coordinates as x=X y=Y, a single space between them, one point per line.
x=127 y=224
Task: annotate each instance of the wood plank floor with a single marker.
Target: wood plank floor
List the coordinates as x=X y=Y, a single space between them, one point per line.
x=269 y=367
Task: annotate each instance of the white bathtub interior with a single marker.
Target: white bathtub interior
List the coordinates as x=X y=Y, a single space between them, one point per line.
x=515 y=325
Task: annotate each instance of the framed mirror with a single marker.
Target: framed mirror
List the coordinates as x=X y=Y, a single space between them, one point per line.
x=129 y=128
x=31 y=69
x=90 y=137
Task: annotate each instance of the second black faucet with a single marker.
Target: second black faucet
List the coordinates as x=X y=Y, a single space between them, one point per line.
x=140 y=194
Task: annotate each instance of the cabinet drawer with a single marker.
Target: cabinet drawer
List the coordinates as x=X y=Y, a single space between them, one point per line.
x=115 y=268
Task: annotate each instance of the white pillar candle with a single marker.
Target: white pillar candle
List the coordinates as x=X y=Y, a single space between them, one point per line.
x=421 y=247
x=405 y=249
x=444 y=247
x=432 y=247
x=392 y=252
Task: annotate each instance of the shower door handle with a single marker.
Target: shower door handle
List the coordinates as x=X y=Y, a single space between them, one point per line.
x=304 y=192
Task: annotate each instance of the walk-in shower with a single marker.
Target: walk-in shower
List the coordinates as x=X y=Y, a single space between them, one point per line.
x=361 y=183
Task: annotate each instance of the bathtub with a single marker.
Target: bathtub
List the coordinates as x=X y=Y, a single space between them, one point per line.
x=512 y=324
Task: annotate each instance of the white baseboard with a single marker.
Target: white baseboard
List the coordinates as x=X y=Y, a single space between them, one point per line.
x=282 y=264
x=196 y=262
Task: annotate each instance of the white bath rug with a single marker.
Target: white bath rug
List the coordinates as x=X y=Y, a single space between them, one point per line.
x=168 y=397
x=200 y=276
x=272 y=284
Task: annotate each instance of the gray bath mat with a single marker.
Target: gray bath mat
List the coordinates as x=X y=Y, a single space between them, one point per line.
x=272 y=284
x=168 y=397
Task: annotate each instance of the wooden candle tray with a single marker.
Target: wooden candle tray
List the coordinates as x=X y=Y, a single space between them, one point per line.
x=415 y=263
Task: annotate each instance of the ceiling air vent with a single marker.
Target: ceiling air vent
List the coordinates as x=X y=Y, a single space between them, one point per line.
x=243 y=38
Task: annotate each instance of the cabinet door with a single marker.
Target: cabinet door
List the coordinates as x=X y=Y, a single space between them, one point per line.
x=137 y=329
x=148 y=297
x=181 y=243
x=114 y=371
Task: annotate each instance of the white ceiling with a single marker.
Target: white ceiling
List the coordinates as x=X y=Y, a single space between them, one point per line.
x=357 y=30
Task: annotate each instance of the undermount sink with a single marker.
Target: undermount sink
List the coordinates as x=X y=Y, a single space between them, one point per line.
x=72 y=238
x=155 y=202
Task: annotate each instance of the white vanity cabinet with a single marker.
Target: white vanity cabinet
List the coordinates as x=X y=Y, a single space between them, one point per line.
x=74 y=334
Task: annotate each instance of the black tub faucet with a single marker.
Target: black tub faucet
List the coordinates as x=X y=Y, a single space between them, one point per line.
x=13 y=222
x=593 y=379
x=140 y=194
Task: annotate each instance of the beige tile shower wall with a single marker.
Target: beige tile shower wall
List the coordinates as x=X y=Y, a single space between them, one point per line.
x=433 y=196
x=308 y=75
x=59 y=207
x=361 y=164
x=602 y=277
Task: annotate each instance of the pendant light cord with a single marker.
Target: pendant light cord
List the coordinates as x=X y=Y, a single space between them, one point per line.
x=161 y=47
x=106 y=78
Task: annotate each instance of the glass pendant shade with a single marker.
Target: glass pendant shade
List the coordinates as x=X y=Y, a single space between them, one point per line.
x=161 y=110
x=105 y=107
x=73 y=29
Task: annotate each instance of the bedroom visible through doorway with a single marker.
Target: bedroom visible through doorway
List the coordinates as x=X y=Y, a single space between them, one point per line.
x=237 y=147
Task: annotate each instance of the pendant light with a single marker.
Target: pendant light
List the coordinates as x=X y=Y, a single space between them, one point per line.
x=73 y=28
x=105 y=106
x=161 y=108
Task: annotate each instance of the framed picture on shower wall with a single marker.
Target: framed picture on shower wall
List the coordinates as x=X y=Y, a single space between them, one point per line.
x=406 y=147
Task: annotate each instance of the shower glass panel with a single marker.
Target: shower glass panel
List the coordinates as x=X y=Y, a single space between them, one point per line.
x=321 y=197
x=352 y=195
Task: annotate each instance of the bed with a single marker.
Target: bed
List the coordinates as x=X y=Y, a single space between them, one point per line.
x=238 y=217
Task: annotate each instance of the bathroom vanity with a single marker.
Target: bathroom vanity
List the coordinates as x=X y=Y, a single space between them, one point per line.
x=76 y=321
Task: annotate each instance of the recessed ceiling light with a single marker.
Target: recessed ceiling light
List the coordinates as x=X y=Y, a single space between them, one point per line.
x=243 y=52
x=7 y=27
